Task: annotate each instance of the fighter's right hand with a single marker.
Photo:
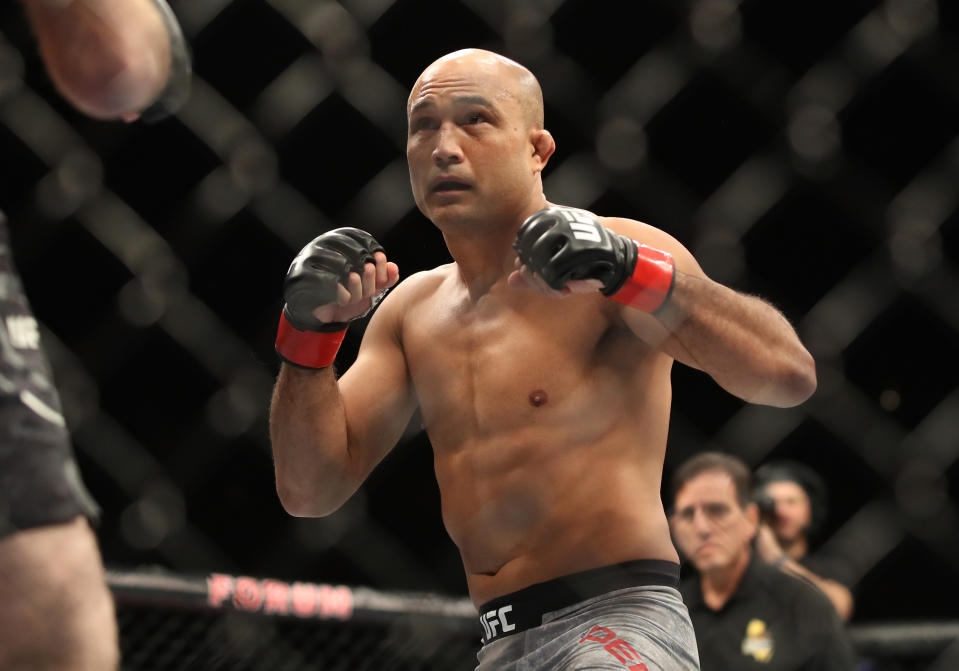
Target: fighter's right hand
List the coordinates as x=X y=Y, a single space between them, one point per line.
x=332 y=281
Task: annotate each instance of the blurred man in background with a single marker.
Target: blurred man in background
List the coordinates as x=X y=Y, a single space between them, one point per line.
x=796 y=500
x=746 y=613
x=112 y=59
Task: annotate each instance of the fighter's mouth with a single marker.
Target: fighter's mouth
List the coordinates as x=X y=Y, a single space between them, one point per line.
x=451 y=185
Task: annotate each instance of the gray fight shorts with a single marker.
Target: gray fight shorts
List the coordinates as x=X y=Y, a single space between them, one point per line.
x=641 y=624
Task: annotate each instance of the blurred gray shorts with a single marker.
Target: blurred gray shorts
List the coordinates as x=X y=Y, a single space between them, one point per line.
x=640 y=628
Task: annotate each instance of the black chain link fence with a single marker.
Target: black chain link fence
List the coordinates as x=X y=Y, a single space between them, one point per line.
x=239 y=623
x=179 y=623
x=157 y=640
x=174 y=622
x=184 y=641
x=806 y=151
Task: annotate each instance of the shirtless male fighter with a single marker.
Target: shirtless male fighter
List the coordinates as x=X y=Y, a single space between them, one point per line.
x=540 y=361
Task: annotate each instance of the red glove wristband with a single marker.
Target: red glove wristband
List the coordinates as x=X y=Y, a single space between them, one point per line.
x=652 y=280
x=308 y=349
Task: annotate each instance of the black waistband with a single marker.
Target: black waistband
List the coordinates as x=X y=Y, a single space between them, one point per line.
x=521 y=610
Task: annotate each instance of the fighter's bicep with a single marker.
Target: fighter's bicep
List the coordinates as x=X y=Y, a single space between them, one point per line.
x=377 y=393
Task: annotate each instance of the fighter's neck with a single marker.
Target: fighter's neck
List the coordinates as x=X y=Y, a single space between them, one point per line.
x=483 y=260
x=483 y=251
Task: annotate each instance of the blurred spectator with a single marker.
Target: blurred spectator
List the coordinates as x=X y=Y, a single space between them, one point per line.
x=746 y=613
x=792 y=499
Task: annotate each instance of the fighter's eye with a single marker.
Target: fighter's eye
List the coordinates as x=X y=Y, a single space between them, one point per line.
x=475 y=117
x=423 y=123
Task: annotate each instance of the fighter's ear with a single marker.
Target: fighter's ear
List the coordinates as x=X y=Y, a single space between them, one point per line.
x=543 y=147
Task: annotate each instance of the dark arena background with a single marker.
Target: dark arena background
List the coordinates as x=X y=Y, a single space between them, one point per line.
x=805 y=151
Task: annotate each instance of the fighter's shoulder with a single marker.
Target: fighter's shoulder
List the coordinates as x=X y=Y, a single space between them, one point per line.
x=654 y=237
x=639 y=231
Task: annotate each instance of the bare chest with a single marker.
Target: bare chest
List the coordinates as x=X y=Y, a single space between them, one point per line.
x=498 y=364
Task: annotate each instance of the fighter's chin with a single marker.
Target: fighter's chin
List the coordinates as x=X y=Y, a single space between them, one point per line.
x=448 y=213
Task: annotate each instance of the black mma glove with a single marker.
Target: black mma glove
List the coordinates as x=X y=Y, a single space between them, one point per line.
x=561 y=244
x=312 y=281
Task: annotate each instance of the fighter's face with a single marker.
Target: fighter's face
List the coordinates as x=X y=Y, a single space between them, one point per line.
x=709 y=525
x=793 y=510
x=468 y=144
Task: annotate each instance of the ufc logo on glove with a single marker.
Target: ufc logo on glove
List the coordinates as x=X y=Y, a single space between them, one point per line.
x=584 y=226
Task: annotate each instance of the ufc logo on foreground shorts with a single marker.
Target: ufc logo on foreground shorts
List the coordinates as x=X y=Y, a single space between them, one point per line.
x=495 y=619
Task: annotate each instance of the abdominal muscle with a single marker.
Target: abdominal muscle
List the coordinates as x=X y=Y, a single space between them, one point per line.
x=527 y=508
x=551 y=465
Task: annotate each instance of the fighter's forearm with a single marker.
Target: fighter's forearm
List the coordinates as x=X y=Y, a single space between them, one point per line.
x=743 y=342
x=308 y=433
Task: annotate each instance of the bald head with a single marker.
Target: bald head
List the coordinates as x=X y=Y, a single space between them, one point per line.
x=509 y=77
